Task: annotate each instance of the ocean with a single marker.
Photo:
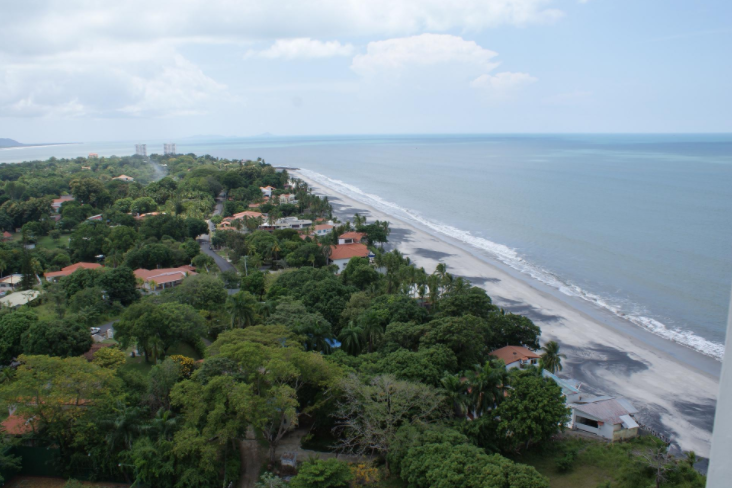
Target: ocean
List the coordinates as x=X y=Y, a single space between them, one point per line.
x=640 y=225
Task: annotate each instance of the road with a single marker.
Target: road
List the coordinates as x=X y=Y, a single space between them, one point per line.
x=205 y=244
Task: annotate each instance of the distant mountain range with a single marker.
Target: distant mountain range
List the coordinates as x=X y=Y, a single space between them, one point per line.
x=5 y=142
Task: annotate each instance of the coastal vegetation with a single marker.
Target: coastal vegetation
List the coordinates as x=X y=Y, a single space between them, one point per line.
x=388 y=365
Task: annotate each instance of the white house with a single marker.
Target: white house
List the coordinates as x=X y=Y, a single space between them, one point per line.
x=321 y=230
x=267 y=190
x=287 y=223
x=19 y=298
x=516 y=356
x=351 y=238
x=608 y=417
x=10 y=282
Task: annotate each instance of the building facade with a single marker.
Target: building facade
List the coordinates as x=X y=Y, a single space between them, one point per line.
x=141 y=149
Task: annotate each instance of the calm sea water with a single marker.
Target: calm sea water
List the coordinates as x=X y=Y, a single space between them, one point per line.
x=638 y=224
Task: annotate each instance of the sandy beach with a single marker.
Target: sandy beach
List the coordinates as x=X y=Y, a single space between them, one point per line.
x=674 y=387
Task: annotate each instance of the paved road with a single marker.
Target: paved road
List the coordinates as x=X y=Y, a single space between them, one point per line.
x=222 y=263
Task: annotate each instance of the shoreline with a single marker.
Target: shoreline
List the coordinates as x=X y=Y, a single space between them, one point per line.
x=29 y=146
x=673 y=386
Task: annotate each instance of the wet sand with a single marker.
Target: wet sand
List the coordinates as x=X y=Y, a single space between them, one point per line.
x=674 y=387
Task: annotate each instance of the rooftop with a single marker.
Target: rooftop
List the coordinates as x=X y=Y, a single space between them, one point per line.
x=70 y=269
x=605 y=409
x=164 y=275
x=348 y=251
x=356 y=236
x=511 y=354
x=19 y=298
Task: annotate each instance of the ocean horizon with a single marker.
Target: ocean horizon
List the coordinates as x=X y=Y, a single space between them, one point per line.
x=638 y=225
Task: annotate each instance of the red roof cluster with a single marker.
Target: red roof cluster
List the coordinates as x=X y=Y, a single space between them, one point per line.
x=71 y=269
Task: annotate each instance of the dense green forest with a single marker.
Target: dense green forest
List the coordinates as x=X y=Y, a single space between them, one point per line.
x=208 y=382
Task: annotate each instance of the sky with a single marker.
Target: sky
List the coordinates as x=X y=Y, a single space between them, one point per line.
x=94 y=70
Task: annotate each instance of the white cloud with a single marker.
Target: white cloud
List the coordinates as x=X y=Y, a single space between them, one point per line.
x=106 y=81
x=392 y=55
x=302 y=48
x=45 y=26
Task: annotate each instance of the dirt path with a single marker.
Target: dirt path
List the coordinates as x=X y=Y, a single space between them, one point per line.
x=251 y=461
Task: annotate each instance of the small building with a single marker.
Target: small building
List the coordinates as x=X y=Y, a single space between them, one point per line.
x=57 y=202
x=7 y=235
x=607 y=417
x=342 y=253
x=287 y=223
x=160 y=279
x=570 y=387
x=149 y=214
x=16 y=425
x=267 y=190
x=19 y=298
x=351 y=238
x=93 y=156
x=124 y=178
x=10 y=282
x=287 y=198
x=57 y=275
x=516 y=356
x=95 y=218
x=321 y=230
x=87 y=168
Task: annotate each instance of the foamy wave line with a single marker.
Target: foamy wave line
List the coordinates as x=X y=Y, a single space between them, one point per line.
x=512 y=258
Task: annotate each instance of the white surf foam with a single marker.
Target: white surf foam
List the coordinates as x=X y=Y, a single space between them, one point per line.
x=512 y=258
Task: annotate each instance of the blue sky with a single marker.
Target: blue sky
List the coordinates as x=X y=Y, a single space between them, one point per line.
x=81 y=70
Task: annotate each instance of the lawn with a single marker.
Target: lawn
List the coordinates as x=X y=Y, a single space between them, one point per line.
x=47 y=242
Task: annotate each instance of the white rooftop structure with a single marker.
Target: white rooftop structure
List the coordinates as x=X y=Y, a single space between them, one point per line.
x=19 y=298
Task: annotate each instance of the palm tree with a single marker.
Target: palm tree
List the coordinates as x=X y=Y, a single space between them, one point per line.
x=551 y=360
x=123 y=426
x=487 y=385
x=456 y=391
x=242 y=306
x=352 y=338
x=274 y=250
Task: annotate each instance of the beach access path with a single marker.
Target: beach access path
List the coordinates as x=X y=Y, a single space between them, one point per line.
x=674 y=387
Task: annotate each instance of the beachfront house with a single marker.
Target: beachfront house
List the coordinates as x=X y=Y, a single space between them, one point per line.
x=517 y=356
x=607 y=417
x=287 y=198
x=161 y=279
x=57 y=275
x=321 y=230
x=286 y=223
x=351 y=238
x=342 y=253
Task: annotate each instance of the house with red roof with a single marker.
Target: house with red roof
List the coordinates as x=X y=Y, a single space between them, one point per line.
x=516 y=356
x=7 y=236
x=164 y=278
x=57 y=202
x=57 y=275
x=342 y=253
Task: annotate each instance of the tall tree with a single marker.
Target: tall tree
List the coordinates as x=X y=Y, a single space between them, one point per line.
x=551 y=359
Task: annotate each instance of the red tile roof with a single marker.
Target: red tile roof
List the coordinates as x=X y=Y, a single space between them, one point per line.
x=356 y=236
x=16 y=425
x=70 y=269
x=323 y=227
x=348 y=251
x=511 y=354
x=7 y=235
x=164 y=275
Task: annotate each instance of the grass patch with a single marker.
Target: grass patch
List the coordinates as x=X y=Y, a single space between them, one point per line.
x=47 y=242
x=184 y=349
x=137 y=364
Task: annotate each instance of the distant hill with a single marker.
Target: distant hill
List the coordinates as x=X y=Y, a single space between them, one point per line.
x=9 y=143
